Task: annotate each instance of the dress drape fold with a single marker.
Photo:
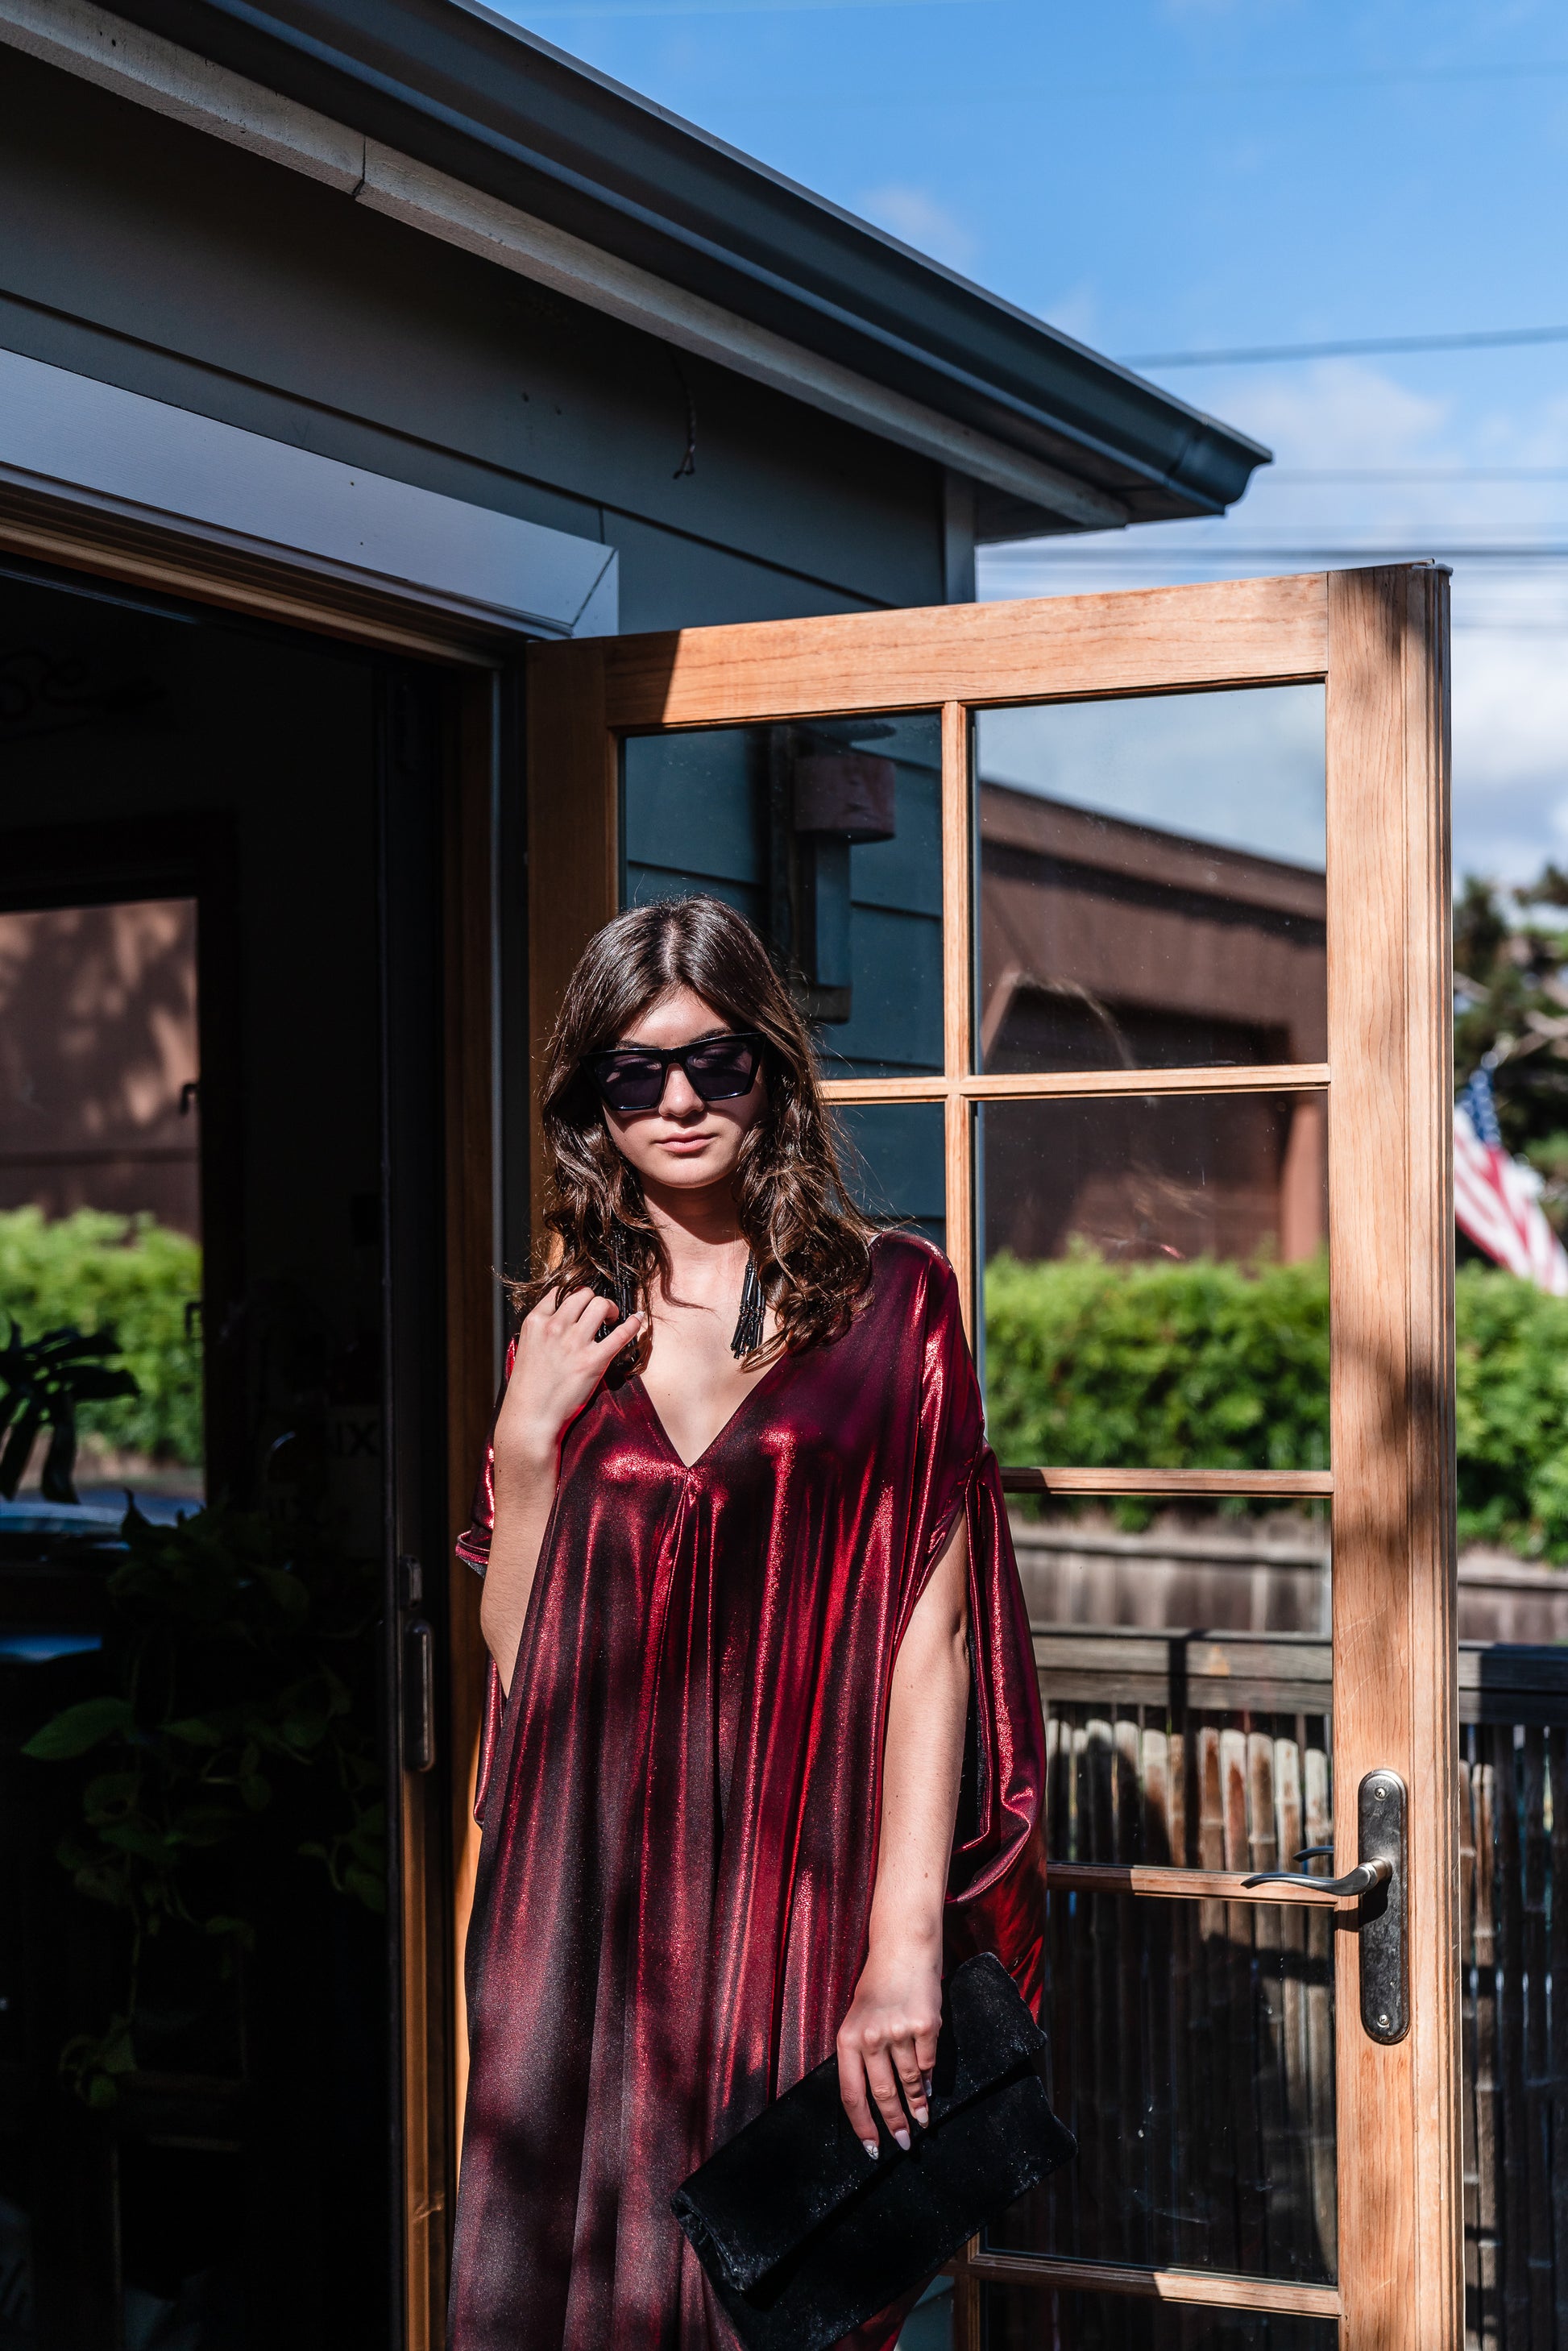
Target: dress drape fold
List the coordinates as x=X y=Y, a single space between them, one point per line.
x=681 y=1800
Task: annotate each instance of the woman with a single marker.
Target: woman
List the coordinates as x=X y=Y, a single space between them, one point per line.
x=763 y=1750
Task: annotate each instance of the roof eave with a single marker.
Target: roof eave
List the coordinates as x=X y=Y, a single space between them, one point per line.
x=474 y=96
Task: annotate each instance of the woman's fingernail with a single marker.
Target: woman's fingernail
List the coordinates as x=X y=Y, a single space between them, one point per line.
x=903 y=2138
x=922 y=2115
x=870 y=2146
x=926 y=2079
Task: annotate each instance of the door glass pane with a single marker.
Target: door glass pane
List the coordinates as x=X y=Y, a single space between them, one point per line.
x=1151 y=888
x=100 y=1229
x=1036 y=2318
x=827 y=835
x=892 y=1157
x=1156 y=1280
x=1191 y=2042
x=1230 y=1565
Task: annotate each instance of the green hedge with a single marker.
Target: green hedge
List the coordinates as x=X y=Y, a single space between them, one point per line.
x=1085 y=1362
x=1512 y=1412
x=1228 y=1368
x=131 y=1275
x=1160 y=1364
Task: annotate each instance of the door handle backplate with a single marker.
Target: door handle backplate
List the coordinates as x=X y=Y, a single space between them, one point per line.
x=1380 y=1884
x=1383 y=1834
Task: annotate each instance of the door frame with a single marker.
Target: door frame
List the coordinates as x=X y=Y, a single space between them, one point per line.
x=1378 y=640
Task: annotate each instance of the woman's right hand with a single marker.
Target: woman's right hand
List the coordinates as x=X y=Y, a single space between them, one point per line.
x=559 y=1361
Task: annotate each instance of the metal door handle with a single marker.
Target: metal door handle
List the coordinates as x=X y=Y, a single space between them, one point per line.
x=1382 y=1925
x=1364 y=1878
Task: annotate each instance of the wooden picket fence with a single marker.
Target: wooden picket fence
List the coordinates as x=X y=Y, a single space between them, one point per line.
x=1193 y=2041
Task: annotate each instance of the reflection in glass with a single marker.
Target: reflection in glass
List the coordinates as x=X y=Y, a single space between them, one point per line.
x=1253 y=1569
x=1032 y=2318
x=827 y=835
x=1151 y=885
x=1156 y=1285
x=892 y=1157
x=1191 y=2042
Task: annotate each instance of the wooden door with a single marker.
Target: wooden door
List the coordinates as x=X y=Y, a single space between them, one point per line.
x=1097 y=1004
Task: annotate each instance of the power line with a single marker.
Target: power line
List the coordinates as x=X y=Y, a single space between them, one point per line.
x=820 y=97
x=1412 y=474
x=723 y=7
x=1043 y=551
x=1256 y=354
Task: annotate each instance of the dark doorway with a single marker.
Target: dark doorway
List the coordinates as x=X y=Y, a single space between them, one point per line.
x=199 y=2136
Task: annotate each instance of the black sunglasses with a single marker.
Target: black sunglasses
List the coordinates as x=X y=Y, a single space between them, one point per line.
x=717 y=1069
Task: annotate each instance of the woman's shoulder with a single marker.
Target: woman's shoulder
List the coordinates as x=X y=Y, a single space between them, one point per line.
x=904 y=1263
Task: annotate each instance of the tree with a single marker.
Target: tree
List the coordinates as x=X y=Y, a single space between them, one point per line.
x=1510 y=1014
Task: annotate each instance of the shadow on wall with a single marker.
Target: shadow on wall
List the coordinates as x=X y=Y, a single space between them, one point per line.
x=98 y=1059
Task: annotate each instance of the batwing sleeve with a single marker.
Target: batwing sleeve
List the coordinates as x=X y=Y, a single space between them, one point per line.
x=473 y=1545
x=996 y=1892
x=473 y=1548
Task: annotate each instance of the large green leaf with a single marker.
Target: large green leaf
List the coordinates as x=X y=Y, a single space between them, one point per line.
x=78 y=1729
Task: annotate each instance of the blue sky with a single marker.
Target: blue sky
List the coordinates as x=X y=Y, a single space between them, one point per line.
x=1159 y=176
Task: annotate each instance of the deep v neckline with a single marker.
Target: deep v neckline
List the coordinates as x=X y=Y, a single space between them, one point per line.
x=668 y=1442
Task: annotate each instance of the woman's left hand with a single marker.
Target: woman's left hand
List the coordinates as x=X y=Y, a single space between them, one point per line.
x=888 y=2039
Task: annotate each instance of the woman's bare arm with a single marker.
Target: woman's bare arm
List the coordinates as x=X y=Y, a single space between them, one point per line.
x=524 y=1491
x=890 y=2033
x=559 y=1362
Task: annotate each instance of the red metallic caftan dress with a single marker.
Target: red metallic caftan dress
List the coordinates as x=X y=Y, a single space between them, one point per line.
x=680 y=1798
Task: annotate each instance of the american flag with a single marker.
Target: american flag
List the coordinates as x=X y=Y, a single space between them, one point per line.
x=1497 y=1200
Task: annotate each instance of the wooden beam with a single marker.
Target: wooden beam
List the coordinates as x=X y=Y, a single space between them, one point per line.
x=473 y=1251
x=155 y=555
x=1210 y=2286
x=957 y=1011
x=1266 y=1483
x=573 y=786
x=1151 y=641
x=1285 y=1077
x=1390 y=1217
x=1185 y=1885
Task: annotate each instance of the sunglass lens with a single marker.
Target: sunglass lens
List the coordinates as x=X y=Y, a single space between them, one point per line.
x=721 y=1070
x=631 y=1080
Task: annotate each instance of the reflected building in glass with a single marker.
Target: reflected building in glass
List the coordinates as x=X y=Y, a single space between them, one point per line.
x=1152 y=896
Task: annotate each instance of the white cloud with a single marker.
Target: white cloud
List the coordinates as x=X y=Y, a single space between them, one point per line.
x=1076 y=313
x=919 y=220
x=1510 y=621
x=1511 y=725
x=1337 y=412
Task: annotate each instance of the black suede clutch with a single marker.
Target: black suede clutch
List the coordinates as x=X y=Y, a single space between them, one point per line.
x=804 y=2234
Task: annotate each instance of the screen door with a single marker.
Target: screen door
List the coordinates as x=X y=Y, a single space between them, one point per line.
x=1123 y=925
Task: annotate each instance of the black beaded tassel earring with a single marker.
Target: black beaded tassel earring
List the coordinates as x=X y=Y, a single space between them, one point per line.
x=625 y=1293
x=749 y=1329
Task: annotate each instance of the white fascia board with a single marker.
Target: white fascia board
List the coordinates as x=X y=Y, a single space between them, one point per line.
x=85 y=40
x=83 y=442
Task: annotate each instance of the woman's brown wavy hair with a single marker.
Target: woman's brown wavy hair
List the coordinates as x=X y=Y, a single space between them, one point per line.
x=809 y=1244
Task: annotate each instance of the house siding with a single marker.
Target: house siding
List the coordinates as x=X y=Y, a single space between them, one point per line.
x=147 y=255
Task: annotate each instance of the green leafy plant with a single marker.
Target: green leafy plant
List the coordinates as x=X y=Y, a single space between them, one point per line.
x=1512 y=1365
x=240 y=1722
x=129 y=1275
x=1227 y=1366
x=44 y=1385
x=1095 y=1363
